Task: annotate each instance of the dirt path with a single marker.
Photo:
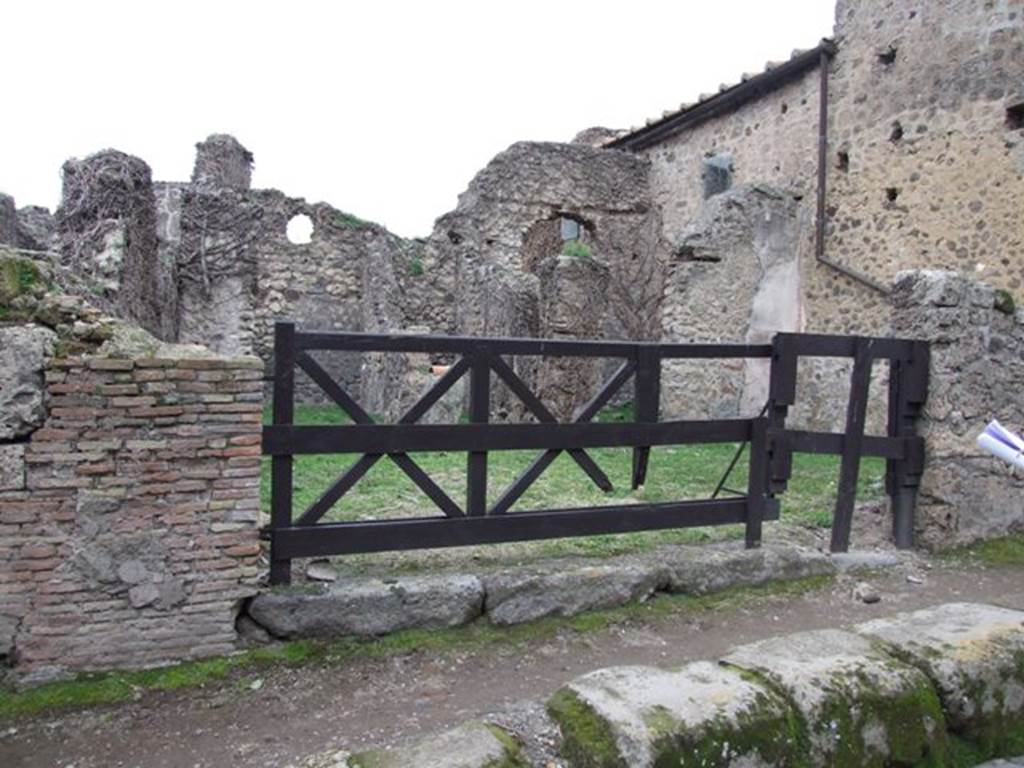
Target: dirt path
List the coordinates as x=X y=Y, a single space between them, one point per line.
x=317 y=707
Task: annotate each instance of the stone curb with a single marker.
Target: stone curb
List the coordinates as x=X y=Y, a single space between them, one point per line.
x=365 y=606
x=927 y=687
x=820 y=698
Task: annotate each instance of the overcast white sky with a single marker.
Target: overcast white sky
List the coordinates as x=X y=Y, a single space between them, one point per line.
x=385 y=109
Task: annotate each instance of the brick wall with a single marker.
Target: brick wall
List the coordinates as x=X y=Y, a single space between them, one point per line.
x=128 y=521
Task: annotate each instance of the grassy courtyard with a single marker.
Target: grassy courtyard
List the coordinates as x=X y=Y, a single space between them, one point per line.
x=685 y=472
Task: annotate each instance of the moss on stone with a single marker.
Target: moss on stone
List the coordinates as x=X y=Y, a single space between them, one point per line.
x=1004 y=302
x=770 y=732
x=587 y=739
x=513 y=757
x=19 y=277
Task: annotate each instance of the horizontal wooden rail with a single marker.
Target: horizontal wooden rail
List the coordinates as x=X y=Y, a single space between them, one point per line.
x=425 y=533
x=280 y=440
x=800 y=441
x=370 y=342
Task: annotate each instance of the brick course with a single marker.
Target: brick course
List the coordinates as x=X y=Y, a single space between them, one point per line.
x=128 y=522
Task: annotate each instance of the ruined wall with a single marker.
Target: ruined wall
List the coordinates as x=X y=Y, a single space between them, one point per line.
x=489 y=249
x=926 y=168
x=107 y=234
x=977 y=370
x=733 y=277
x=8 y=221
x=128 y=509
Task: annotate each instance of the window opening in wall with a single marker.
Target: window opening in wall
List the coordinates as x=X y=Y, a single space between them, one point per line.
x=569 y=228
x=300 y=229
x=891 y=193
x=843 y=160
x=1015 y=116
x=897 y=132
x=888 y=56
x=784 y=108
x=717 y=174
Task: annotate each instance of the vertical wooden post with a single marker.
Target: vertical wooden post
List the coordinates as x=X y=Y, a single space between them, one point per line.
x=757 y=482
x=781 y=395
x=908 y=389
x=479 y=413
x=281 y=467
x=646 y=401
x=853 y=441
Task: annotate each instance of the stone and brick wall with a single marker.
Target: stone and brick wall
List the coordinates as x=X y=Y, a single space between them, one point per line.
x=977 y=374
x=128 y=520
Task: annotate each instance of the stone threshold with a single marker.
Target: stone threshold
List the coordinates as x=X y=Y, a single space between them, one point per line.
x=367 y=606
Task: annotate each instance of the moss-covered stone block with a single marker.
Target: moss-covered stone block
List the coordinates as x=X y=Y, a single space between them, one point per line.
x=974 y=656
x=473 y=745
x=21 y=281
x=860 y=707
x=700 y=715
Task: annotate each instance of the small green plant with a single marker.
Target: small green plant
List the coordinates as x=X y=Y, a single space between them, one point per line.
x=576 y=249
x=415 y=267
x=349 y=221
x=1004 y=302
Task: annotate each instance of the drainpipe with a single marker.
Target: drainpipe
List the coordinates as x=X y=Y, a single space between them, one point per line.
x=827 y=52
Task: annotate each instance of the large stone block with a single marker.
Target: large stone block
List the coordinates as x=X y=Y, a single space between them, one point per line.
x=974 y=656
x=12 y=467
x=859 y=706
x=703 y=570
x=517 y=596
x=24 y=350
x=370 y=606
x=701 y=715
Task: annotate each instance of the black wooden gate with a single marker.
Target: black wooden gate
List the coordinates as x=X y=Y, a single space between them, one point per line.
x=771 y=445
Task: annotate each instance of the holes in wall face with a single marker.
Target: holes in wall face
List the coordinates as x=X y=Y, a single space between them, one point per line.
x=300 y=229
x=1015 y=116
x=784 y=108
x=717 y=174
x=887 y=57
x=569 y=228
x=896 y=134
x=843 y=160
x=892 y=194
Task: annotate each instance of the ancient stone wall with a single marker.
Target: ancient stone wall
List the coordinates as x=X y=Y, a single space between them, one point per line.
x=8 y=221
x=770 y=140
x=977 y=371
x=128 y=509
x=488 y=251
x=107 y=233
x=732 y=278
x=926 y=160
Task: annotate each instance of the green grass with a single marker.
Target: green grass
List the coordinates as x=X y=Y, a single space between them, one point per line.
x=349 y=221
x=1007 y=551
x=576 y=249
x=112 y=687
x=237 y=671
x=683 y=472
